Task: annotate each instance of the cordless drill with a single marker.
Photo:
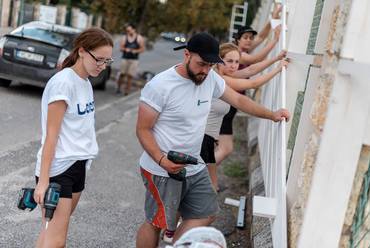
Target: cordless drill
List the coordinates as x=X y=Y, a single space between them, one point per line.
x=51 y=201
x=180 y=158
x=51 y=198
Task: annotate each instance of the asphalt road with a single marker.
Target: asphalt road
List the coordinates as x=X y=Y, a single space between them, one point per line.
x=111 y=207
x=20 y=104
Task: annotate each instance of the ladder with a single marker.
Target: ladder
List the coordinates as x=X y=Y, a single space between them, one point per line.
x=238 y=18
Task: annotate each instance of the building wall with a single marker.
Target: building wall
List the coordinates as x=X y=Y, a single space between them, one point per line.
x=329 y=135
x=10 y=15
x=5 y=13
x=325 y=154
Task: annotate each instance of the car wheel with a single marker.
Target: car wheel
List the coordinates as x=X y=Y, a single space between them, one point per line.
x=101 y=85
x=5 y=82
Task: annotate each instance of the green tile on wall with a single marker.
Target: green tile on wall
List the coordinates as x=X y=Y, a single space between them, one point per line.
x=315 y=27
x=295 y=120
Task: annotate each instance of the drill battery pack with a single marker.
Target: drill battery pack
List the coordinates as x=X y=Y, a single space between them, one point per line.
x=179 y=176
x=25 y=200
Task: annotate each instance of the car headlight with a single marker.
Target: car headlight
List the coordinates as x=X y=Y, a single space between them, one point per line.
x=183 y=39
x=62 y=56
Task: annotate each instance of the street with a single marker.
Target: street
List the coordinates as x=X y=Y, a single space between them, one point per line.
x=111 y=206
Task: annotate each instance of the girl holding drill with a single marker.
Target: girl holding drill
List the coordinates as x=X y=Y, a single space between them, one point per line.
x=68 y=142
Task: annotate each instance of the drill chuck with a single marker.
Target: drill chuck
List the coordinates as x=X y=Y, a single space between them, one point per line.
x=51 y=200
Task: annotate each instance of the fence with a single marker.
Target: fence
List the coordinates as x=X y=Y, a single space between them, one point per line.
x=272 y=146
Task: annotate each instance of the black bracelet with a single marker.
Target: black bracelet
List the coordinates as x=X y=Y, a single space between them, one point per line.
x=160 y=160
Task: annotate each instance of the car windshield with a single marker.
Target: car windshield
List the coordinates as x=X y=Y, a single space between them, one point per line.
x=56 y=38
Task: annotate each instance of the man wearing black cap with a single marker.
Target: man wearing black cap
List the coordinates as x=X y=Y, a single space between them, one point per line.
x=172 y=115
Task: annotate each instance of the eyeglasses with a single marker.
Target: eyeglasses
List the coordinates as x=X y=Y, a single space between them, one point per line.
x=100 y=62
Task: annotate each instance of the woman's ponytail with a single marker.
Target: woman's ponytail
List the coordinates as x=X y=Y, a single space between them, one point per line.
x=71 y=59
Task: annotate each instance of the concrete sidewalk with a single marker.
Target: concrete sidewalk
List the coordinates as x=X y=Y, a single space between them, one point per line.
x=111 y=206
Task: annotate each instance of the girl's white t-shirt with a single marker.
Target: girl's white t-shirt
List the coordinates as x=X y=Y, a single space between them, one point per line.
x=77 y=138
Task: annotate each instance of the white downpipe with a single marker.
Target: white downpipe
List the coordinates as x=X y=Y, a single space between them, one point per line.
x=282 y=145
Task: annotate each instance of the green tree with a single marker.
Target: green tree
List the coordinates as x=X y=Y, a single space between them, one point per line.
x=184 y=16
x=153 y=17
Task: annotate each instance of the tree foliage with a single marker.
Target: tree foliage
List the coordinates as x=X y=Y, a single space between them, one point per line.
x=153 y=17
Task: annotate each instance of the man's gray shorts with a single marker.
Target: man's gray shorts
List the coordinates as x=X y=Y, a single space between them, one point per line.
x=194 y=198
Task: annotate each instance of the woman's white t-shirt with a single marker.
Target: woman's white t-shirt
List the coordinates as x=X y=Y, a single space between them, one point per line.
x=77 y=138
x=218 y=110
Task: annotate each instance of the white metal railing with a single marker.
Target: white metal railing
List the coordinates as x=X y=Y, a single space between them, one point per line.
x=272 y=146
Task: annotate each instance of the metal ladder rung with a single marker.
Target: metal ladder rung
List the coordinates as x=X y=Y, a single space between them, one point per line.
x=238 y=12
x=238 y=6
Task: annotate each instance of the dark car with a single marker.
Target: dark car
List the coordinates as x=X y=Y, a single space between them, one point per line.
x=34 y=52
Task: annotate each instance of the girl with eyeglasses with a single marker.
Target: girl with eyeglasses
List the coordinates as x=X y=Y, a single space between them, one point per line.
x=68 y=142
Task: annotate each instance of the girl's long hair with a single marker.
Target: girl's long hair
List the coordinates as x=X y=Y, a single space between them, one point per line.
x=89 y=39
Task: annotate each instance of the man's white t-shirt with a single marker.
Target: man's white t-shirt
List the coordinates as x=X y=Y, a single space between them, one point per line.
x=77 y=139
x=183 y=108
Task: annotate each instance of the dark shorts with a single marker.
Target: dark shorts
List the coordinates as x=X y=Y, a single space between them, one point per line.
x=72 y=180
x=207 y=152
x=194 y=198
x=227 y=122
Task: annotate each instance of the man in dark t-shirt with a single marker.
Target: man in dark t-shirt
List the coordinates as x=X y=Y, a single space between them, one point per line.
x=131 y=46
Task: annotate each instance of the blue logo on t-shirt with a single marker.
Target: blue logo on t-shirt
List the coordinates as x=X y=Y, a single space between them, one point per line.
x=89 y=108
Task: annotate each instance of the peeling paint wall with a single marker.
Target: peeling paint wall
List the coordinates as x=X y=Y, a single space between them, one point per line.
x=363 y=167
x=322 y=104
x=326 y=167
x=304 y=184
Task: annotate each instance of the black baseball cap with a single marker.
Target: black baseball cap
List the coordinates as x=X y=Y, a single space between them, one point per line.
x=243 y=30
x=205 y=45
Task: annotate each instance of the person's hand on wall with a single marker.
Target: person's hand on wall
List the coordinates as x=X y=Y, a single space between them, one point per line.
x=282 y=54
x=277 y=32
x=284 y=63
x=280 y=115
x=277 y=10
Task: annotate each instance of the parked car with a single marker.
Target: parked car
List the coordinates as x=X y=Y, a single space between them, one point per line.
x=174 y=36
x=34 y=52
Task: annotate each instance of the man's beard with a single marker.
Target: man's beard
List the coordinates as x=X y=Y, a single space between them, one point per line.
x=195 y=77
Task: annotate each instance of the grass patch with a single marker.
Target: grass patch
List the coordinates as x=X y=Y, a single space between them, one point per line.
x=235 y=169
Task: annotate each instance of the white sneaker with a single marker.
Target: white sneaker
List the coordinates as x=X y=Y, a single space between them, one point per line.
x=168 y=236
